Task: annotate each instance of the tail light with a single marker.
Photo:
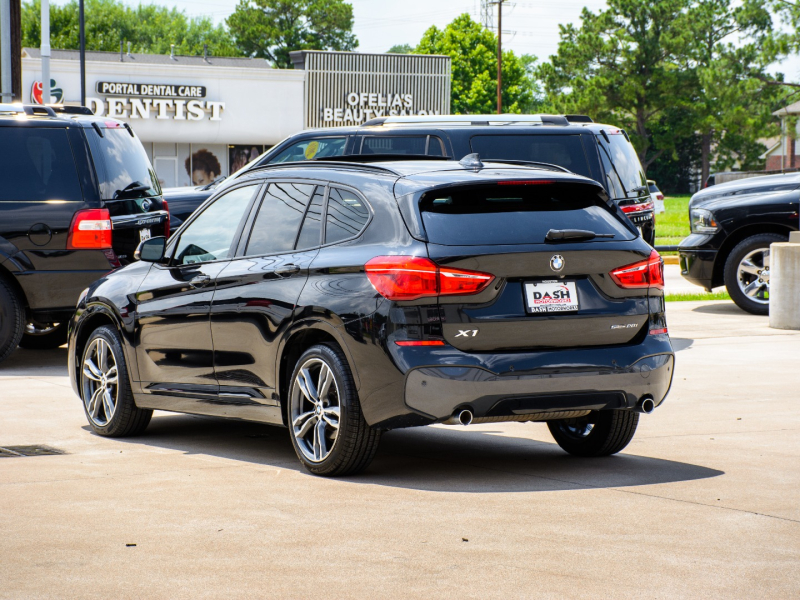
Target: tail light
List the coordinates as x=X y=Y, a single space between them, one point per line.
x=90 y=229
x=645 y=274
x=659 y=196
x=412 y=277
x=165 y=206
x=636 y=208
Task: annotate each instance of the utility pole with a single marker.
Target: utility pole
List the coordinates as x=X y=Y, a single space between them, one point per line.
x=82 y=20
x=499 y=55
x=16 y=50
x=6 y=92
x=45 y=52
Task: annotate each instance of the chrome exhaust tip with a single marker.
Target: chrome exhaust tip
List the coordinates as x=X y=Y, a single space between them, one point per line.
x=460 y=417
x=646 y=405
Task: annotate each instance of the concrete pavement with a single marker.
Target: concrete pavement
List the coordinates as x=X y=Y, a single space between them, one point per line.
x=705 y=502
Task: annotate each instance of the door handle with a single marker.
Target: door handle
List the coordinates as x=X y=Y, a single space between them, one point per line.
x=199 y=281
x=289 y=269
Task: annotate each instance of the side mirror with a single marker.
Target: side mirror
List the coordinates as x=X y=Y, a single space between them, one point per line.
x=151 y=250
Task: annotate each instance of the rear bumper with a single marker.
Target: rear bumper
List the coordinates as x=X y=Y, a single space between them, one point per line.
x=434 y=382
x=438 y=392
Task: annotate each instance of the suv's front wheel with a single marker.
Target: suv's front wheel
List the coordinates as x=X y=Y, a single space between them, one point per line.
x=599 y=433
x=328 y=431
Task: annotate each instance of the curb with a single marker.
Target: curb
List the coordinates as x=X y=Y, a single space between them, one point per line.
x=671 y=260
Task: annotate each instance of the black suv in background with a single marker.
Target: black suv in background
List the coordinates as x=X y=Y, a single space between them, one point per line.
x=733 y=225
x=78 y=194
x=601 y=152
x=342 y=300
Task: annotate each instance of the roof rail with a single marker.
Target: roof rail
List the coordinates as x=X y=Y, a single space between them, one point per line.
x=579 y=118
x=329 y=163
x=469 y=120
x=72 y=110
x=28 y=109
x=529 y=163
x=369 y=158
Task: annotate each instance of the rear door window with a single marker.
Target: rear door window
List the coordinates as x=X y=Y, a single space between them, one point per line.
x=624 y=160
x=37 y=165
x=279 y=216
x=122 y=165
x=558 y=149
x=311 y=149
x=402 y=144
x=346 y=215
x=515 y=214
x=311 y=230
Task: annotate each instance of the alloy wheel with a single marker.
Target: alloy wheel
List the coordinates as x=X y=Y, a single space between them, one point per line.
x=315 y=410
x=36 y=328
x=99 y=382
x=576 y=428
x=753 y=275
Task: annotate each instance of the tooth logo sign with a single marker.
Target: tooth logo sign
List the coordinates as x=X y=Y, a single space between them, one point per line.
x=557 y=262
x=56 y=93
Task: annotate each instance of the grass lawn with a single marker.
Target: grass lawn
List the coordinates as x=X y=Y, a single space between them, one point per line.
x=695 y=297
x=673 y=225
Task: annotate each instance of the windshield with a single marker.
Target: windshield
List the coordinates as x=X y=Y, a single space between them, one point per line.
x=625 y=162
x=122 y=165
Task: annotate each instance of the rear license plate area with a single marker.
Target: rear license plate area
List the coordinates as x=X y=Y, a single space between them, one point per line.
x=551 y=296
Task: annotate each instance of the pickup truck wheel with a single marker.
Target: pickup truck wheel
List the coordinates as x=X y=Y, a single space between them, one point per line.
x=599 y=433
x=39 y=336
x=328 y=430
x=105 y=388
x=747 y=272
x=12 y=320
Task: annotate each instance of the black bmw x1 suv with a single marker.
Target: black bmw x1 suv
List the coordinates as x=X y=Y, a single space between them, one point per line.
x=342 y=300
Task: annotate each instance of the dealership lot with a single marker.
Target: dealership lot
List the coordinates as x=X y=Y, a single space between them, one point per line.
x=705 y=500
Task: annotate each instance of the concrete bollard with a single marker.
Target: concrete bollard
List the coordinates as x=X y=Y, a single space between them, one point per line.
x=784 y=286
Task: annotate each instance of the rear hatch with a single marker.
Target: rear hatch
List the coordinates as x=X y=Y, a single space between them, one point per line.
x=129 y=187
x=551 y=247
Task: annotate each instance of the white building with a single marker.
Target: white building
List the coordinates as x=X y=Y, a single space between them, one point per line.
x=201 y=117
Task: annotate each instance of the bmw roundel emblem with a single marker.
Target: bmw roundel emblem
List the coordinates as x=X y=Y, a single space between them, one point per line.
x=557 y=262
x=146 y=205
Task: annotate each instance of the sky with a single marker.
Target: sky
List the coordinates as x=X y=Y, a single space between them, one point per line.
x=528 y=27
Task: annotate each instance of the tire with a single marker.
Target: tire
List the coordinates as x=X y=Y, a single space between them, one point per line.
x=116 y=414
x=349 y=446
x=12 y=320
x=600 y=433
x=44 y=337
x=745 y=269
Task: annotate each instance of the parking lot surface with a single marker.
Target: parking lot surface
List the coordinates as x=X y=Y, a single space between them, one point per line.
x=705 y=501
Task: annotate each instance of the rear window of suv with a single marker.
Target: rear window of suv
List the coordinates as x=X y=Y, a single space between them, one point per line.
x=515 y=214
x=121 y=164
x=563 y=150
x=37 y=165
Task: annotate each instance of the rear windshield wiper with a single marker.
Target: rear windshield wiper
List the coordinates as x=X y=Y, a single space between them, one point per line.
x=568 y=235
x=134 y=187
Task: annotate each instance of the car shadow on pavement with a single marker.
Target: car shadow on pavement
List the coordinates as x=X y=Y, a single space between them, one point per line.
x=679 y=344
x=723 y=308
x=478 y=459
x=35 y=363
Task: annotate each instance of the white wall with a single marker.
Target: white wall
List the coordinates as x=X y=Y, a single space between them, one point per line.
x=262 y=106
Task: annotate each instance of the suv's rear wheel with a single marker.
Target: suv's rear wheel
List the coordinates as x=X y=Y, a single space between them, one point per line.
x=747 y=272
x=41 y=336
x=328 y=430
x=12 y=320
x=105 y=387
x=599 y=433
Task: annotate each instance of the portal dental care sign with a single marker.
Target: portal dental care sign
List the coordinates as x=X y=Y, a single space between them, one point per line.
x=154 y=100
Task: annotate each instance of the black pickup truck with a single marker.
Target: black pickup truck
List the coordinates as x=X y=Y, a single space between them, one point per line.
x=733 y=225
x=78 y=194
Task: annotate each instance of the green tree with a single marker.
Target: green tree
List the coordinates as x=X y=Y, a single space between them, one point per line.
x=619 y=66
x=272 y=28
x=149 y=28
x=728 y=52
x=473 y=50
x=400 y=49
